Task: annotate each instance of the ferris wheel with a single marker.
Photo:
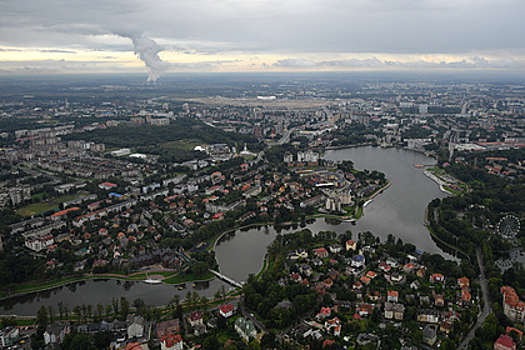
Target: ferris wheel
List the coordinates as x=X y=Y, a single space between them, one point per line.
x=509 y=226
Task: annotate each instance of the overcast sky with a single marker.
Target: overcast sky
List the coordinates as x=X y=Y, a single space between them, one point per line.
x=156 y=36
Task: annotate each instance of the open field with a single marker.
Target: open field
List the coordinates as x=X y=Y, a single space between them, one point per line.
x=36 y=208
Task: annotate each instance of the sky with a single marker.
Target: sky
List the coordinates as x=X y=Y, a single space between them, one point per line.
x=159 y=36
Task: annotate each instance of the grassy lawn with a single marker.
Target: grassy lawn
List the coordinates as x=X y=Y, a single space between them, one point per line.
x=38 y=196
x=437 y=171
x=359 y=213
x=187 y=145
x=261 y=271
x=36 y=208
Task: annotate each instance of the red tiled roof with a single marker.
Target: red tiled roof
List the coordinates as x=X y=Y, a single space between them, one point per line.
x=171 y=339
x=505 y=340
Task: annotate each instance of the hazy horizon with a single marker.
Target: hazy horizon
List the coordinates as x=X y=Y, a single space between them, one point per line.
x=156 y=38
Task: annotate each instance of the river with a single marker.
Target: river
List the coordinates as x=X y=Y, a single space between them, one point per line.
x=398 y=210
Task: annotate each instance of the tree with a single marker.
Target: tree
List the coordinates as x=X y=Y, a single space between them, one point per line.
x=115 y=305
x=205 y=303
x=139 y=305
x=89 y=310
x=50 y=309
x=108 y=310
x=61 y=309
x=78 y=341
x=200 y=268
x=100 y=310
x=42 y=317
x=211 y=343
x=8 y=321
x=124 y=307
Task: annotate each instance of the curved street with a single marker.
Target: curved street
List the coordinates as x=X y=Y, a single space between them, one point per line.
x=487 y=309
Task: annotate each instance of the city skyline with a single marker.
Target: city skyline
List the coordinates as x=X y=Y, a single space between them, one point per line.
x=229 y=35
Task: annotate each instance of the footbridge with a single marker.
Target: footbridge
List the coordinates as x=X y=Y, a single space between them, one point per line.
x=226 y=279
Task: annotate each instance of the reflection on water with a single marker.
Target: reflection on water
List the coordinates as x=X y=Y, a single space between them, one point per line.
x=332 y=221
x=92 y=292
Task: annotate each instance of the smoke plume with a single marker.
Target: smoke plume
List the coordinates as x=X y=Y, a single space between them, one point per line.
x=148 y=52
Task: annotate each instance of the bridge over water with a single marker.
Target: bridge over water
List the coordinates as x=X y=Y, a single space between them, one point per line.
x=226 y=279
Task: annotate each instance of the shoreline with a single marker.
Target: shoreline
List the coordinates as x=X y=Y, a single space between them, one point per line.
x=128 y=278
x=438 y=181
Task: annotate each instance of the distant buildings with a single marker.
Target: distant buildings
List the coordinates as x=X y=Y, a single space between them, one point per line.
x=121 y=152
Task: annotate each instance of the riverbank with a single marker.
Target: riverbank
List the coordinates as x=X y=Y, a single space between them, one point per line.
x=428 y=173
x=355 y=216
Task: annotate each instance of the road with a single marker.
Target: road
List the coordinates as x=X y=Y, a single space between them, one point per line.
x=286 y=137
x=487 y=309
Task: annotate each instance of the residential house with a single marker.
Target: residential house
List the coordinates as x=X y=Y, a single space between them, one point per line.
x=245 y=328
x=389 y=310
x=135 y=326
x=383 y=266
x=56 y=332
x=333 y=324
x=171 y=342
x=325 y=312
x=327 y=342
x=358 y=261
x=168 y=327
x=421 y=272
x=449 y=318
x=439 y=301
x=505 y=342
x=465 y=299
x=306 y=269
x=374 y=296
x=463 y=283
x=195 y=319
x=399 y=312
x=415 y=285
x=429 y=335
x=424 y=300
x=436 y=277
x=317 y=262
x=335 y=248
x=136 y=346
x=39 y=243
x=392 y=262
x=351 y=245
x=226 y=310
x=428 y=316
x=513 y=307
x=398 y=278
x=321 y=253
x=519 y=334
x=366 y=280
x=371 y=275
x=364 y=310
x=296 y=277
x=409 y=268
x=393 y=296
x=9 y=336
